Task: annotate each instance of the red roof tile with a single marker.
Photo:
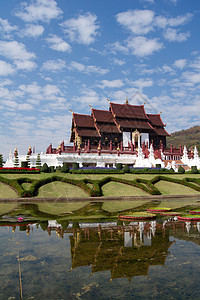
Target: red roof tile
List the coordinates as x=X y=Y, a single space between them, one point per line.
x=110 y=128
x=128 y=111
x=155 y=119
x=83 y=121
x=134 y=124
x=161 y=131
x=102 y=116
x=87 y=132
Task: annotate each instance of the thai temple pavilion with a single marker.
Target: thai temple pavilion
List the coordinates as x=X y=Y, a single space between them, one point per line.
x=123 y=124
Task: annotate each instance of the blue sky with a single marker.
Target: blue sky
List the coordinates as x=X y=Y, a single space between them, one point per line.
x=60 y=54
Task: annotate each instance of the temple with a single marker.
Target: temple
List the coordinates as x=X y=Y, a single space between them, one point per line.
x=123 y=125
x=124 y=134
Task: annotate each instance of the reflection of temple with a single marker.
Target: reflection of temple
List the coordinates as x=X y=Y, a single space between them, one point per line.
x=124 y=253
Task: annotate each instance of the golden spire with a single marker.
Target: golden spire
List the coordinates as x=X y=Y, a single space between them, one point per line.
x=126 y=100
x=90 y=106
x=108 y=100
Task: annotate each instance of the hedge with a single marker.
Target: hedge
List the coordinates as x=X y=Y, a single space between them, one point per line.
x=96 y=191
x=20 y=170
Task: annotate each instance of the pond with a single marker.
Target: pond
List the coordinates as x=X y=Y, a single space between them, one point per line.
x=104 y=259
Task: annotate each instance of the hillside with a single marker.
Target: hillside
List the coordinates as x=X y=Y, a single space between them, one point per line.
x=189 y=137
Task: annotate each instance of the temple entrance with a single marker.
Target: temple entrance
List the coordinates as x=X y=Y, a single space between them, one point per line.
x=136 y=139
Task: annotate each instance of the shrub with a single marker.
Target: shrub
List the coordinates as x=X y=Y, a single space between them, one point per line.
x=52 y=169
x=126 y=169
x=158 y=166
x=24 y=164
x=38 y=161
x=1 y=161
x=119 y=166
x=65 y=168
x=58 y=168
x=45 y=168
x=194 y=170
x=75 y=166
x=181 y=170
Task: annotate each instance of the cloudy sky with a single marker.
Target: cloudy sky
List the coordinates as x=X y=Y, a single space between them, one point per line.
x=57 y=55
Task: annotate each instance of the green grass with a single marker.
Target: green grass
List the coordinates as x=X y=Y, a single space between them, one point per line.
x=170 y=188
x=178 y=203
x=60 y=189
x=113 y=189
x=6 y=191
x=117 y=206
x=60 y=208
x=5 y=208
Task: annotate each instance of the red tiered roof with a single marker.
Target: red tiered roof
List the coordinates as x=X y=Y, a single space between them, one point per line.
x=133 y=124
x=155 y=119
x=83 y=121
x=161 y=131
x=102 y=116
x=128 y=111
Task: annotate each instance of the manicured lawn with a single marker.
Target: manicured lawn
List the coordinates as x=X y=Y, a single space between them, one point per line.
x=117 y=206
x=7 y=192
x=178 y=203
x=60 y=208
x=60 y=189
x=6 y=208
x=119 y=189
x=170 y=188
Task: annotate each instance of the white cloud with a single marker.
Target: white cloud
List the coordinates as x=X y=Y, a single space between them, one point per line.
x=137 y=21
x=172 y=35
x=180 y=63
x=6 y=69
x=117 y=83
x=58 y=44
x=142 y=83
x=25 y=106
x=118 y=62
x=32 y=31
x=88 y=96
x=54 y=65
x=83 y=29
x=86 y=69
x=6 y=28
x=26 y=65
x=192 y=77
x=15 y=50
x=163 y=22
x=141 y=46
x=39 y=10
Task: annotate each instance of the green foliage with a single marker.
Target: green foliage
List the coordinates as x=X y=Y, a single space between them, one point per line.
x=181 y=170
x=158 y=166
x=194 y=170
x=65 y=168
x=75 y=166
x=24 y=164
x=1 y=161
x=126 y=169
x=189 y=137
x=119 y=166
x=45 y=168
x=28 y=160
x=38 y=161
x=58 y=168
x=16 y=161
x=52 y=169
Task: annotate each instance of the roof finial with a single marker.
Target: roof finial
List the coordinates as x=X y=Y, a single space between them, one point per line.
x=145 y=102
x=70 y=110
x=90 y=106
x=108 y=100
x=126 y=100
x=160 y=112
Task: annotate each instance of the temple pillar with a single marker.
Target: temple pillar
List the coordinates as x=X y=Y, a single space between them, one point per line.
x=85 y=147
x=171 y=149
x=121 y=146
x=88 y=145
x=74 y=147
x=180 y=149
x=132 y=148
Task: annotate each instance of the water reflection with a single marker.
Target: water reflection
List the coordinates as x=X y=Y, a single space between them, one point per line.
x=98 y=253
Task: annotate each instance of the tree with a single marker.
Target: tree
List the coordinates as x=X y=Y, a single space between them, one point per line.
x=28 y=160
x=45 y=168
x=38 y=162
x=65 y=168
x=181 y=170
x=16 y=161
x=1 y=161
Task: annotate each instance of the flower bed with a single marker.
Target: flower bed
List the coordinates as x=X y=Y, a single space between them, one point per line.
x=195 y=211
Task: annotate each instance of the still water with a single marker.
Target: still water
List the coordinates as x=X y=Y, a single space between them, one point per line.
x=104 y=260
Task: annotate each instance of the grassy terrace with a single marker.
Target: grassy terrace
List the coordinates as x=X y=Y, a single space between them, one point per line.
x=110 y=189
